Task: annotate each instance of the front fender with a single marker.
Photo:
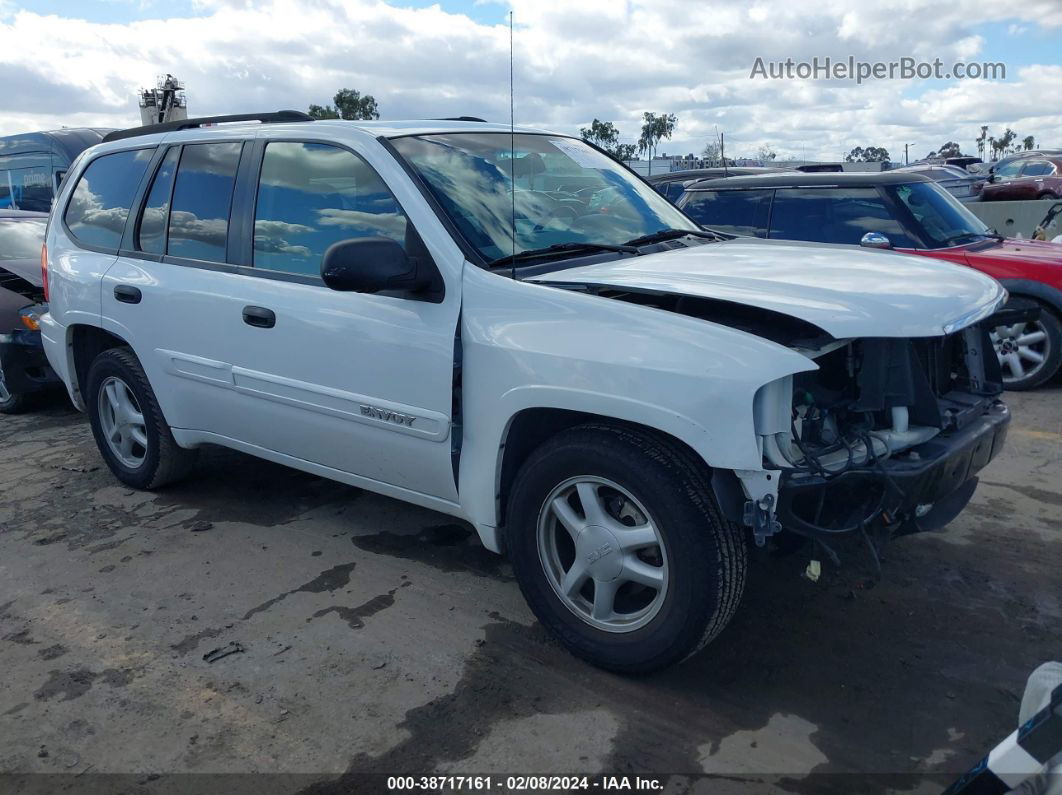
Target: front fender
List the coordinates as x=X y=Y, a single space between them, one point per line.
x=531 y=346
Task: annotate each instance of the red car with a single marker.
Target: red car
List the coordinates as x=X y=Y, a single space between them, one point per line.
x=1029 y=178
x=909 y=213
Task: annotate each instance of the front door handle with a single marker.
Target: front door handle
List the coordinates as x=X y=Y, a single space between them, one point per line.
x=127 y=294
x=259 y=317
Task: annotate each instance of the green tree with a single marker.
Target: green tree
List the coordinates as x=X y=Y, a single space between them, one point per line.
x=950 y=149
x=601 y=133
x=625 y=152
x=655 y=129
x=871 y=154
x=1006 y=140
x=1029 y=143
x=349 y=104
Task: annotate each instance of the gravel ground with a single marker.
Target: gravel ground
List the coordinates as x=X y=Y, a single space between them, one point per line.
x=372 y=637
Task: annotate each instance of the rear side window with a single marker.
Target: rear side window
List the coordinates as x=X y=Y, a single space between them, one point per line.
x=312 y=195
x=738 y=212
x=202 y=198
x=1036 y=169
x=834 y=215
x=99 y=206
x=151 y=236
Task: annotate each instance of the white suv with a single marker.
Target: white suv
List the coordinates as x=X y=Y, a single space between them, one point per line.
x=512 y=328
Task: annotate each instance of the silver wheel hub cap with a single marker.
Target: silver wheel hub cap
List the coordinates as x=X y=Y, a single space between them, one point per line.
x=602 y=554
x=122 y=422
x=1022 y=349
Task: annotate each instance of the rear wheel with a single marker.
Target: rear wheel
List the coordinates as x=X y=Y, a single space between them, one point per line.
x=10 y=402
x=1047 y=195
x=1029 y=352
x=620 y=548
x=130 y=431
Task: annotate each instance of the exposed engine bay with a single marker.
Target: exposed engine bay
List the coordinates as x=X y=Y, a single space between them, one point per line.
x=868 y=437
x=887 y=434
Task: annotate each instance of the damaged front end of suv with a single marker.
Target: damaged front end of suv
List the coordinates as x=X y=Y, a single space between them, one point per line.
x=886 y=434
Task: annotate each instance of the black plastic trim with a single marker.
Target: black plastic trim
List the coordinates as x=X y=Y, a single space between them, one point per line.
x=274 y=117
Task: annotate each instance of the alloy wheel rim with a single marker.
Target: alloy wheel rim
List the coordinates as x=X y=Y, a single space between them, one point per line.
x=1022 y=349
x=602 y=554
x=122 y=422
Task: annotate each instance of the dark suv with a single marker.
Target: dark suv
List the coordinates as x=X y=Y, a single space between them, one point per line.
x=910 y=213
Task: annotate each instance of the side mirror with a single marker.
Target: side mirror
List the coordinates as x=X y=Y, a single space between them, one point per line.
x=372 y=265
x=874 y=240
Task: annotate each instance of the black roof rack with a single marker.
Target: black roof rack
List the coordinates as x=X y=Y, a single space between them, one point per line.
x=186 y=124
x=462 y=118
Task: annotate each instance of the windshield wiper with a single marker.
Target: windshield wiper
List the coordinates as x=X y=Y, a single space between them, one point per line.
x=670 y=234
x=561 y=248
x=955 y=238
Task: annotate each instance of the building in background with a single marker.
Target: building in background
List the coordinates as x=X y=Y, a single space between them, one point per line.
x=165 y=102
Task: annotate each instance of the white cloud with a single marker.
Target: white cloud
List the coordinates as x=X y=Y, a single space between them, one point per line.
x=610 y=59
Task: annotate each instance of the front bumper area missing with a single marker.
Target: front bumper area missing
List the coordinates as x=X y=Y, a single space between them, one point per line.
x=891 y=491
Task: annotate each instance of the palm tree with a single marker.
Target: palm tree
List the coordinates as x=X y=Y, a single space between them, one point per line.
x=1029 y=143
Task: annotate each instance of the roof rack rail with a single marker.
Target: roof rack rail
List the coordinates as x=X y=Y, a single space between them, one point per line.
x=186 y=124
x=462 y=118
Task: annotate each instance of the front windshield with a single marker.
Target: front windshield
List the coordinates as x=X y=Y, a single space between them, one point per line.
x=936 y=216
x=565 y=191
x=21 y=239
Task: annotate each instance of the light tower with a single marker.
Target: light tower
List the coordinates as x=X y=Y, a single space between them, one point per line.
x=165 y=102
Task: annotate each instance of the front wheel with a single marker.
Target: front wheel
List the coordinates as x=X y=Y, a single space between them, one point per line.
x=620 y=548
x=1029 y=352
x=130 y=431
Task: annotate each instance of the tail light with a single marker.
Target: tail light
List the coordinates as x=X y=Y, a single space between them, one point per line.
x=44 y=270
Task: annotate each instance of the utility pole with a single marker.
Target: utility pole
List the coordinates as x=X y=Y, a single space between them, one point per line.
x=722 y=154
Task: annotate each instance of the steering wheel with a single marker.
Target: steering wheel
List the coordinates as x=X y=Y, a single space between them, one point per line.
x=560 y=210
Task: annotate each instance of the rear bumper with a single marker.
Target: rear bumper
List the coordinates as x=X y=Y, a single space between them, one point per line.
x=814 y=505
x=25 y=365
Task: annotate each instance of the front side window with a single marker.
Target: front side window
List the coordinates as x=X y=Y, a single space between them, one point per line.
x=21 y=239
x=1009 y=170
x=935 y=215
x=737 y=212
x=100 y=203
x=835 y=215
x=202 y=198
x=312 y=195
x=563 y=190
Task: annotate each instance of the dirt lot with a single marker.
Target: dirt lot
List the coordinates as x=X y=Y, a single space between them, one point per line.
x=380 y=638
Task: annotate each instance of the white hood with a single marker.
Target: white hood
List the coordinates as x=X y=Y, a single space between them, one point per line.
x=844 y=290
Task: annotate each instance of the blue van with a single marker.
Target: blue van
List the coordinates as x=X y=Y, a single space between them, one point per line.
x=33 y=164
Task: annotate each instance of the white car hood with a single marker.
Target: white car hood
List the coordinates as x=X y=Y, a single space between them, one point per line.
x=845 y=290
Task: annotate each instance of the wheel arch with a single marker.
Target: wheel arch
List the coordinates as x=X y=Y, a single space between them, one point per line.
x=1026 y=288
x=531 y=426
x=86 y=343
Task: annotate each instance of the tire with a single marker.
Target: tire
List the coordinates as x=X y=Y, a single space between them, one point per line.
x=1019 y=372
x=11 y=402
x=661 y=486
x=154 y=459
x=1047 y=195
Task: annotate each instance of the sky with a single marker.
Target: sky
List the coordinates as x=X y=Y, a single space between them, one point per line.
x=80 y=63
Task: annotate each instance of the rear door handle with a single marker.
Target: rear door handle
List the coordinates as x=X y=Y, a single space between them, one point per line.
x=259 y=317
x=127 y=294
